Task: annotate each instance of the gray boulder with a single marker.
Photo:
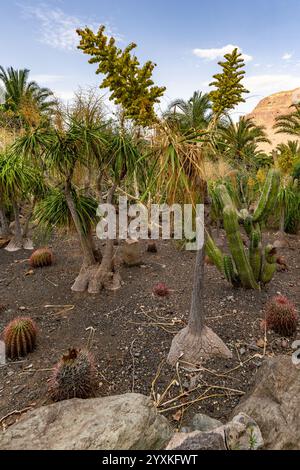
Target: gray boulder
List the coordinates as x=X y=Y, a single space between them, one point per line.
x=274 y=403
x=125 y=422
x=202 y=422
x=242 y=433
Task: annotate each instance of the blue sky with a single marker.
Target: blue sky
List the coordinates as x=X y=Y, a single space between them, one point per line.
x=185 y=39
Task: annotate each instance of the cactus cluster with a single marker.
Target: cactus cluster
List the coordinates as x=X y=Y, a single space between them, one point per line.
x=251 y=265
x=41 y=258
x=20 y=337
x=281 y=316
x=161 y=290
x=75 y=376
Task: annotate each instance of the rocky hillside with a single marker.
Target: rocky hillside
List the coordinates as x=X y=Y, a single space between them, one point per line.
x=268 y=109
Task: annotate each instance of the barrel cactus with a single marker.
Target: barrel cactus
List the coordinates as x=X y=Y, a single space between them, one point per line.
x=74 y=376
x=252 y=265
x=281 y=316
x=41 y=258
x=20 y=337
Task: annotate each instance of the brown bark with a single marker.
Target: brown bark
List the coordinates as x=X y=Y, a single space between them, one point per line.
x=197 y=342
x=4 y=230
x=88 y=255
x=94 y=277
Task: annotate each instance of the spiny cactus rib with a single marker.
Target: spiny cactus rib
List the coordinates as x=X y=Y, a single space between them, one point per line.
x=269 y=264
x=237 y=249
x=255 y=254
x=269 y=196
x=230 y=272
x=20 y=337
x=214 y=253
x=41 y=258
x=281 y=316
x=75 y=376
x=224 y=196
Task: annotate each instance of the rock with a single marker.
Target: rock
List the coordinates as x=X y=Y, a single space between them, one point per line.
x=202 y=422
x=274 y=403
x=125 y=422
x=197 y=440
x=242 y=433
x=131 y=253
x=266 y=112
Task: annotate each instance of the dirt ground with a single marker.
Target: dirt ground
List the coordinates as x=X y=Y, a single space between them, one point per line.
x=134 y=330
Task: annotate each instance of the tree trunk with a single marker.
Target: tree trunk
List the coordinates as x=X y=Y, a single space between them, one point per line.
x=4 y=222
x=28 y=219
x=197 y=342
x=88 y=255
x=94 y=277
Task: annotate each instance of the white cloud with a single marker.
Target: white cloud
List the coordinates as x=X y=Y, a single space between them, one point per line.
x=287 y=56
x=271 y=83
x=217 y=53
x=65 y=95
x=56 y=28
x=46 y=79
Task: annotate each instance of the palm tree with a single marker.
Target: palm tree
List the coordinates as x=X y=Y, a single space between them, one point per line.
x=289 y=123
x=240 y=140
x=24 y=99
x=287 y=155
x=194 y=114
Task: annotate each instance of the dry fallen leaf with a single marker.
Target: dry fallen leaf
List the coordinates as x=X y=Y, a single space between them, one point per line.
x=29 y=273
x=260 y=343
x=177 y=416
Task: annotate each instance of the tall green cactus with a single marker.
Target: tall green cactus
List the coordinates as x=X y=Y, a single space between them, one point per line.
x=251 y=265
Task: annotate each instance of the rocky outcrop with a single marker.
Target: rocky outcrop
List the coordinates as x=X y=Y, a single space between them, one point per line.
x=125 y=422
x=266 y=112
x=274 y=403
x=242 y=433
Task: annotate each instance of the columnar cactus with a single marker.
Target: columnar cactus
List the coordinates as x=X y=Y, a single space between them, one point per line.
x=251 y=265
x=20 y=337
x=75 y=376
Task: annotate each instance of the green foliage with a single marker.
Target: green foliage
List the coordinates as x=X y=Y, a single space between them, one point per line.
x=240 y=141
x=281 y=316
x=229 y=89
x=287 y=156
x=20 y=337
x=130 y=84
x=75 y=376
x=249 y=265
x=194 y=114
x=289 y=123
x=53 y=211
x=18 y=178
x=24 y=101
